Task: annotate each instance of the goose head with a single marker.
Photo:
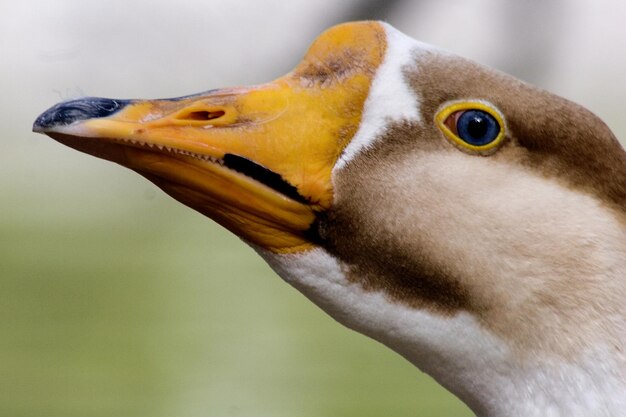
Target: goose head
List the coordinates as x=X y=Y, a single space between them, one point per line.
x=469 y=221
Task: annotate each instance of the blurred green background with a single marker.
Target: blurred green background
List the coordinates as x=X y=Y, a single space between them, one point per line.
x=117 y=301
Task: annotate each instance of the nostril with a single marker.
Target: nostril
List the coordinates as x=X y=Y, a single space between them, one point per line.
x=202 y=115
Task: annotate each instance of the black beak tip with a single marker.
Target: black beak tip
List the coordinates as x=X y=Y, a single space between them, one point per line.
x=68 y=112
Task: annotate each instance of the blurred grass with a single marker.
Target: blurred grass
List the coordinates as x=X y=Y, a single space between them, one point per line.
x=116 y=300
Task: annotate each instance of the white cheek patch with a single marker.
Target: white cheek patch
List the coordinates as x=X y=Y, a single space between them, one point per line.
x=391 y=98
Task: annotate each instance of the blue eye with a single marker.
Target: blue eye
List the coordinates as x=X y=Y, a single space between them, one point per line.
x=474 y=126
x=477 y=127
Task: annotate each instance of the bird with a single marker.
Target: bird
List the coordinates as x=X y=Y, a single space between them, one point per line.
x=471 y=222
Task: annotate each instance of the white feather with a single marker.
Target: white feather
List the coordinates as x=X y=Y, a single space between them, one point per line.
x=390 y=98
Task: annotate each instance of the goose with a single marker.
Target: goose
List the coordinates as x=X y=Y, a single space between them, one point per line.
x=469 y=221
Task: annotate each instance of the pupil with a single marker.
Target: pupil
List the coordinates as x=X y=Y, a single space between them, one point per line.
x=477 y=127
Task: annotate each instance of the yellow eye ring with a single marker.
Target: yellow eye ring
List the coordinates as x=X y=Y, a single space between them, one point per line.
x=472 y=125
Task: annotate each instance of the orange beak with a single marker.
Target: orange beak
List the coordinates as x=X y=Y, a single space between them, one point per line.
x=257 y=160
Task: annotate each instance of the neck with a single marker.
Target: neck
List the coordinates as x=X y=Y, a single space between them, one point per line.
x=593 y=385
x=479 y=367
